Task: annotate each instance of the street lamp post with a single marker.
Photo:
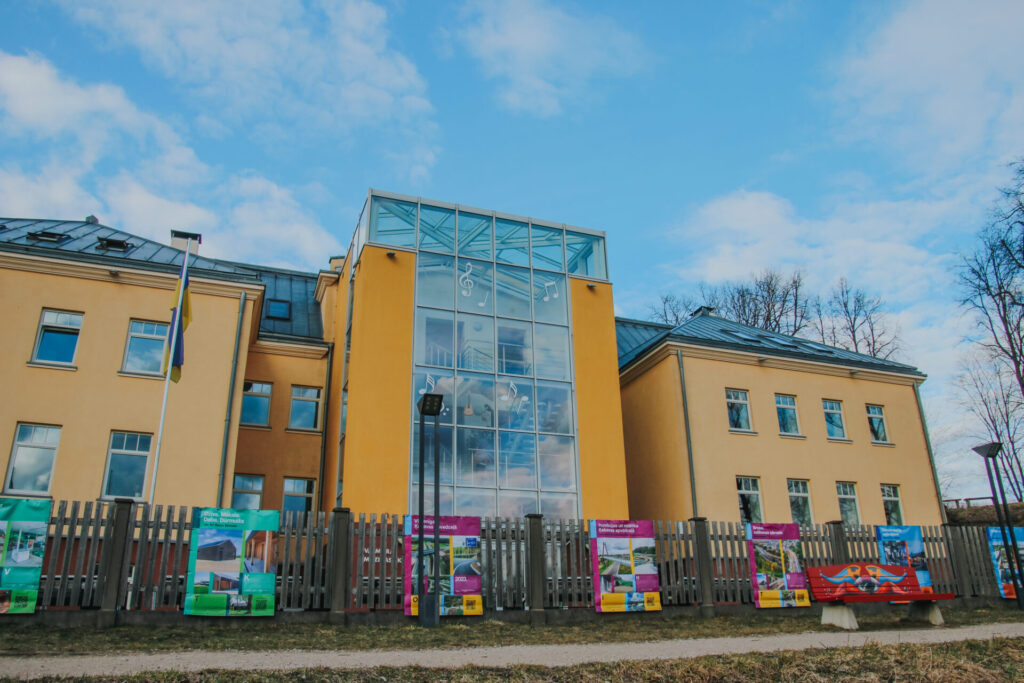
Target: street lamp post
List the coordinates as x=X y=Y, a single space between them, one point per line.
x=989 y=452
x=429 y=404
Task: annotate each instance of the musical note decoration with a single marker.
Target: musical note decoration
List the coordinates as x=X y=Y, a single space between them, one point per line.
x=548 y=295
x=466 y=281
x=511 y=392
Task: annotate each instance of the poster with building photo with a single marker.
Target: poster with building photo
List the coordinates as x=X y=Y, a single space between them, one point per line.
x=231 y=563
x=777 y=565
x=23 y=528
x=903 y=546
x=458 y=551
x=1001 y=560
x=625 y=566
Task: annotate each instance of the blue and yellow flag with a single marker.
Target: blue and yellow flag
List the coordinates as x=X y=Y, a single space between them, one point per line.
x=176 y=329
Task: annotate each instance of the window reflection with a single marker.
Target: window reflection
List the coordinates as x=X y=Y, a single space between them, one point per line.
x=476 y=457
x=473 y=286
x=517 y=462
x=512 y=287
x=447 y=464
x=475 y=502
x=437 y=229
x=547 y=248
x=516 y=503
x=475 y=335
x=515 y=347
x=435 y=344
x=549 y=299
x=446 y=507
x=585 y=255
x=435 y=280
x=555 y=456
x=474 y=235
x=433 y=381
x=393 y=222
x=554 y=411
x=552 y=351
x=558 y=505
x=515 y=403
x=475 y=400
x=512 y=242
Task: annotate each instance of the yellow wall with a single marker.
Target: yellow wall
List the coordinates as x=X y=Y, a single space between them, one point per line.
x=658 y=470
x=376 y=462
x=90 y=402
x=334 y=311
x=598 y=409
x=276 y=452
x=721 y=455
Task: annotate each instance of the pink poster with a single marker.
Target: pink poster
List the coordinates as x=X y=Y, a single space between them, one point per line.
x=458 y=551
x=625 y=566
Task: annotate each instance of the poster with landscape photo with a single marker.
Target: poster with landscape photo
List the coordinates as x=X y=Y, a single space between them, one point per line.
x=903 y=546
x=460 y=576
x=231 y=565
x=625 y=566
x=23 y=530
x=777 y=565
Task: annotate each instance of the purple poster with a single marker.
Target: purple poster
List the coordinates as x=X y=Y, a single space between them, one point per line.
x=625 y=566
x=777 y=565
x=458 y=552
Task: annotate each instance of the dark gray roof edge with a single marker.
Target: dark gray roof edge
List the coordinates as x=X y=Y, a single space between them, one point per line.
x=122 y=262
x=650 y=323
x=293 y=339
x=268 y=269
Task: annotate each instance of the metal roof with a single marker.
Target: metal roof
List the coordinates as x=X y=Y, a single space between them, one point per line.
x=635 y=339
x=94 y=242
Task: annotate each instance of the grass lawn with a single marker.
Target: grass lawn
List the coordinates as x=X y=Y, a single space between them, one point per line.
x=256 y=634
x=976 y=661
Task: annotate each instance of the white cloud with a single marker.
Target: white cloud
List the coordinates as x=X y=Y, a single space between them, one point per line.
x=542 y=55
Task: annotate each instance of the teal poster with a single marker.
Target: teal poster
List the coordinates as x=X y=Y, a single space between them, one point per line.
x=23 y=529
x=231 y=565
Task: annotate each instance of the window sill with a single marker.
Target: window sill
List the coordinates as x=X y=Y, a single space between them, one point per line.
x=27 y=494
x=296 y=430
x=139 y=375
x=884 y=444
x=749 y=432
x=262 y=428
x=793 y=436
x=114 y=499
x=52 y=366
x=837 y=440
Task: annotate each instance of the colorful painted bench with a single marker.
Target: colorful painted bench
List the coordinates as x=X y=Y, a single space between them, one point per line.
x=840 y=585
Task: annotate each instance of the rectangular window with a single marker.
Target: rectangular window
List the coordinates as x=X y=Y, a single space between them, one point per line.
x=834 y=419
x=144 y=352
x=785 y=408
x=847 y=492
x=305 y=408
x=248 y=492
x=256 y=403
x=891 y=503
x=800 y=501
x=298 y=495
x=279 y=309
x=58 y=337
x=876 y=423
x=32 y=459
x=739 y=409
x=749 y=490
x=126 y=465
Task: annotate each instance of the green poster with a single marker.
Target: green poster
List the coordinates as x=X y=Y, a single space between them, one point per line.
x=23 y=528
x=231 y=566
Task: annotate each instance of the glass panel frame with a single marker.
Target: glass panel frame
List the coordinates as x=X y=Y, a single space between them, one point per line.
x=35 y=450
x=393 y=222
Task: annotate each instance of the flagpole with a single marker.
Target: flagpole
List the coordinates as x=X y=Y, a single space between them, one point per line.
x=167 y=376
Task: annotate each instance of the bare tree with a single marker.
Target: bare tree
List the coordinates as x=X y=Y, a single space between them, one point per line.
x=671 y=309
x=852 y=319
x=770 y=300
x=989 y=392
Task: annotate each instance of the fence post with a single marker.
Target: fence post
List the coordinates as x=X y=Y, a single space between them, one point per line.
x=957 y=551
x=536 y=563
x=341 y=563
x=114 y=560
x=705 y=572
x=837 y=541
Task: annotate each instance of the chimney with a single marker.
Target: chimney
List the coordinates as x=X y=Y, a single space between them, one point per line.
x=91 y=220
x=703 y=310
x=179 y=240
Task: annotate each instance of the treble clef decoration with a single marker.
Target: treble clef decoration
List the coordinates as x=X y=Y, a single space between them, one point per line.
x=466 y=282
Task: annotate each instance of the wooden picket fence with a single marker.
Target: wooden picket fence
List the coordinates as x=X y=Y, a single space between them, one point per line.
x=78 y=561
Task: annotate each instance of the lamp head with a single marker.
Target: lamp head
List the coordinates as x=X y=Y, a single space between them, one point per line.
x=430 y=404
x=988 y=450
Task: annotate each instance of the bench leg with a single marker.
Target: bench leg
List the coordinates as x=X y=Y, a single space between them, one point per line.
x=926 y=611
x=839 y=615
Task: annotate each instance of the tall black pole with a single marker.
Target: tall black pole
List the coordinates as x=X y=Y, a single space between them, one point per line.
x=1017 y=572
x=420 y=578
x=437 y=520
x=1011 y=551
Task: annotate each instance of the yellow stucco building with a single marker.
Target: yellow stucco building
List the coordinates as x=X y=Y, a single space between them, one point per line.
x=729 y=422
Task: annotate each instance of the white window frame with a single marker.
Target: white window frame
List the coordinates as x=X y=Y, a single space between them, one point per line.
x=310 y=496
x=14 y=451
x=270 y=399
x=742 y=401
x=807 y=495
x=826 y=409
x=248 y=492
x=128 y=341
x=318 y=401
x=755 y=491
x=880 y=416
x=796 y=414
x=58 y=326
x=111 y=451
x=899 y=502
x=840 y=495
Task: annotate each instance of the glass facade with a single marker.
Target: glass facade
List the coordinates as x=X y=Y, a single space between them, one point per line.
x=492 y=334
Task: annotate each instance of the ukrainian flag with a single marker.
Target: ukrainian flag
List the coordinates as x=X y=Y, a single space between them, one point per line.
x=178 y=326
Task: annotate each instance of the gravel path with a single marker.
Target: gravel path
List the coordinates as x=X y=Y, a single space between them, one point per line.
x=543 y=655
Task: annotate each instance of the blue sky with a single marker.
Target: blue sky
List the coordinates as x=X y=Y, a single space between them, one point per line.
x=709 y=140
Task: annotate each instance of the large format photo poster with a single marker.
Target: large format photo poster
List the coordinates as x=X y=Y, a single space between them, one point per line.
x=231 y=563
x=625 y=566
x=1001 y=560
x=461 y=576
x=903 y=546
x=23 y=528
x=777 y=565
